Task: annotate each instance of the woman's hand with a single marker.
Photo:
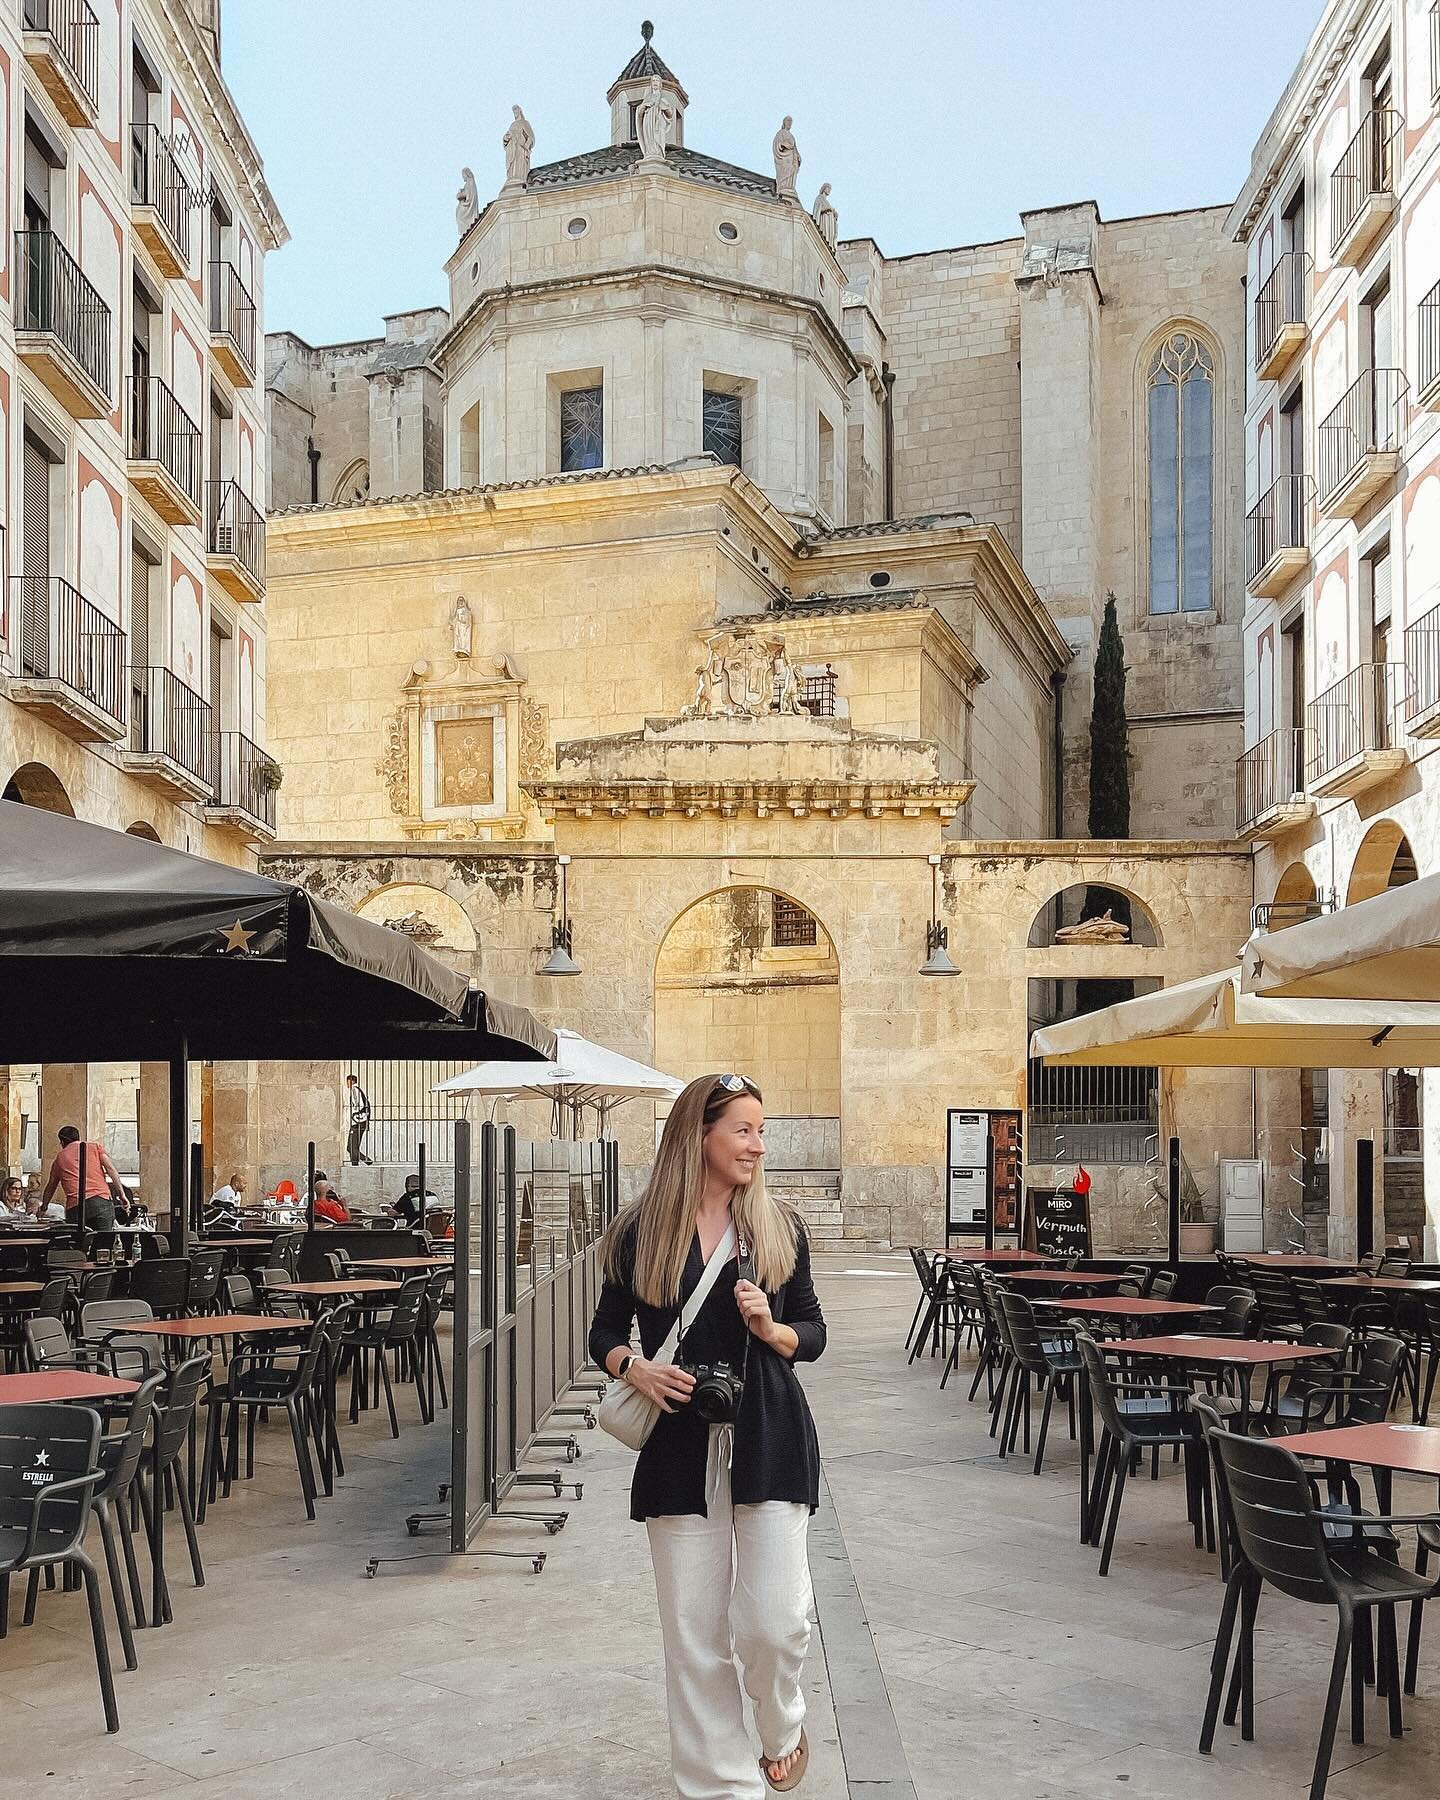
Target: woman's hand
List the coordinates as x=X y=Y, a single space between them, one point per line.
x=663 y=1383
x=754 y=1304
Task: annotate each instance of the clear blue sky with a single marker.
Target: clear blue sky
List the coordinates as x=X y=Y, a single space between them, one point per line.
x=936 y=122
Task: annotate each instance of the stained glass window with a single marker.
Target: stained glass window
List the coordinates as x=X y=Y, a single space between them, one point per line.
x=582 y=428
x=721 y=426
x=1180 y=415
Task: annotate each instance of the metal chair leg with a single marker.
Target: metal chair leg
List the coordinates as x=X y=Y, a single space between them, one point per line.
x=117 y=1585
x=102 y=1647
x=1334 y=1695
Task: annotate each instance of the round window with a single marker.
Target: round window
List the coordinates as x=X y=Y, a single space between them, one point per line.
x=475 y=271
x=727 y=231
x=578 y=227
x=880 y=579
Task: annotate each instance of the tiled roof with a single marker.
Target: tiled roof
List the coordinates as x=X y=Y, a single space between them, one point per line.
x=617 y=159
x=646 y=62
x=489 y=487
x=791 y=606
x=890 y=527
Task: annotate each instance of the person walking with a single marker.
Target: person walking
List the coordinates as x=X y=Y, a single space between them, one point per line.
x=359 y=1121
x=103 y=1186
x=725 y=1486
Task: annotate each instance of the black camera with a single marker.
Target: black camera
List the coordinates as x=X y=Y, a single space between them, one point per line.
x=717 y=1392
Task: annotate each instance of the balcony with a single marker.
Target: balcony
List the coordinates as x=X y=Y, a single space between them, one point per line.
x=1362 y=186
x=235 y=542
x=244 y=782
x=1427 y=360
x=1356 y=737
x=1422 y=673
x=164 y=451
x=62 y=326
x=1280 y=323
x=1270 y=797
x=169 y=743
x=1359 y=442
x=232 y=324
x=72 y=660
x=160 y=200
x=1277 y=536
x=62 y=46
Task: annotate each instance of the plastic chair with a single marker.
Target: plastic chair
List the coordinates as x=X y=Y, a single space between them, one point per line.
x=1282 y=1539
x=932 y=1273
x=44 y=1524
x=1163 y=1286
x=398 y=1332
x=203 y=1292
x=48 y=1346
x=1049 y=1357
x=1136 y=1280
x=163 y=1283
x=132 y=1356
x=1279 y=1310
x=254 y=1383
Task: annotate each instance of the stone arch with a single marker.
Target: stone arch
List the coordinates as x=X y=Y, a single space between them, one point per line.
x=1091 y=899
x=141 y=830
x=1295 y=897
x=748 y=978
x=1384 y=860
x=33 y=784
x=431 y=917
x=353 y=485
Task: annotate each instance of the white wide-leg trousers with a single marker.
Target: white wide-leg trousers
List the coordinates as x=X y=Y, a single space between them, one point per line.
x=734 y=1584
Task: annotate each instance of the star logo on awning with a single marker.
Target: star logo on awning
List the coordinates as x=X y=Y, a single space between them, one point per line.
x=42 y=1459
x=237 y=938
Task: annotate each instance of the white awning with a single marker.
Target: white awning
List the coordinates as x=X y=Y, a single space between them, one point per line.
x=583 y=1074
x=1210 y=1023
x=1387 y=948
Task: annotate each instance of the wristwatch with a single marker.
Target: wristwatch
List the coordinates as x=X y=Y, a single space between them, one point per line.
x=623 y=1370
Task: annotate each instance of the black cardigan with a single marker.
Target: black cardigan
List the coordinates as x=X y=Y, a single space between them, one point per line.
x=777 y=1455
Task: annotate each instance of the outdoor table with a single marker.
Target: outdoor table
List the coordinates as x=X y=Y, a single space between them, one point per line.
x=401 y=1262
x=980 y=1254
x=324 y=1290
x=1296 y=1264
x=1063 y=1277
x=221 y=1242
x=1243 y=1355
x=1396 y=1288
x=1410 y=1449
x=62 y=1384
x=22 y=1287
x=1392 y=1284
x=1125 y=1308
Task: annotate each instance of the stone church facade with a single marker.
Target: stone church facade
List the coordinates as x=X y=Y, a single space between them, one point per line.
x=745 y=582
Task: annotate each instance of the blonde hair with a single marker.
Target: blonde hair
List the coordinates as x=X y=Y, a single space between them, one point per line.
x=662 y=1221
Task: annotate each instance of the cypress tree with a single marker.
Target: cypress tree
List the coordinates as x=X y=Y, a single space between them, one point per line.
x=1109 y=791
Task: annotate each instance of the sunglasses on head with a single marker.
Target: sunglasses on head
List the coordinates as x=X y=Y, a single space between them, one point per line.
x=734 y=1084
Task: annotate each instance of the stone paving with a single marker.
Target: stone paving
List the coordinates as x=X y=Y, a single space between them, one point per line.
x=1013 y=1672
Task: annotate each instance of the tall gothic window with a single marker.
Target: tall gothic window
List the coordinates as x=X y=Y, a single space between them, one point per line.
x=721 y=425
x=582 y=428
x=1180 y=411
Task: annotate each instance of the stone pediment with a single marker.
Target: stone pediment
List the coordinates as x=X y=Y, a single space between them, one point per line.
x=772 y=765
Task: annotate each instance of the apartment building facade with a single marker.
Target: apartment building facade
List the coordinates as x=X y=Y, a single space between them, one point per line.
x=1339 y=786
x=136 y=220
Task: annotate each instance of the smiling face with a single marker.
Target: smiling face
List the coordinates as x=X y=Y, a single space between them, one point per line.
x=735 y=1143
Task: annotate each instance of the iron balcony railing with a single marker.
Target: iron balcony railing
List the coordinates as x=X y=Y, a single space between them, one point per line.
x=54 y=296
x=232 y=311
x=1365 y=171
x=169 y=719
x=75 y=32
x=66 y=638
x=1284 y=299
x=243 y=778
x=1279 y=520
x=161 y=431
x=235 y=527
x=156 y=180
x=1422 y=664
x=1357 y=714
x=1269 y=774
x=1427 y=362
x=1369 y=420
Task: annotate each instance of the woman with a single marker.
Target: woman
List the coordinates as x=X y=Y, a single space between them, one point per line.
x=12 y=1198
x=726 y=1510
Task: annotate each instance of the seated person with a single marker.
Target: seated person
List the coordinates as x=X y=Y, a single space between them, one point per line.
x=407 y=1206
x=329 y=1207
x=12 y=1198
x=223 y=1212
x=47 y=1212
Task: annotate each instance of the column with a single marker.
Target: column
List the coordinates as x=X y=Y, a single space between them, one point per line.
x=1357 y=1109
x=154 y=1138
x=71 y=1094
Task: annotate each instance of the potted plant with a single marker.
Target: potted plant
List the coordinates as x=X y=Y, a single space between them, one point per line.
x=269 y=775
x=1197 y=1233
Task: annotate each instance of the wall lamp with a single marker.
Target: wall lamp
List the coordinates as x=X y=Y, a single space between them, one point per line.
x=937 y=957
x=560 y=961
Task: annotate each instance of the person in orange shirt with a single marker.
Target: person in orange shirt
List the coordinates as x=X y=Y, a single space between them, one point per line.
x=103 y=1187
x=329 y=1207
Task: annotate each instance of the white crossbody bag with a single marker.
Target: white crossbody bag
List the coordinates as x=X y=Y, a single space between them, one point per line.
x=625 y=1412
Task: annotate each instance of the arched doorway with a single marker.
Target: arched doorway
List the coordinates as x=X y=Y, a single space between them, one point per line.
x=141 y=830
x=748 y=980
x=1295 y=898
x=33 y=784
x=1384 y=860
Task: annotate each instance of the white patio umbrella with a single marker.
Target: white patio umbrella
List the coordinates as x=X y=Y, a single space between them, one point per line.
x=582 y=1074
x=1387 y=948
x=1211 y=1023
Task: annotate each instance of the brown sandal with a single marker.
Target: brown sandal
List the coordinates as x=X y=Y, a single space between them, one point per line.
x=797 y=1768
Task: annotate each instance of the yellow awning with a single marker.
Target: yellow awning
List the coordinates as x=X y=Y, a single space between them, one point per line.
x=1210 y=1023
x=1387 y=948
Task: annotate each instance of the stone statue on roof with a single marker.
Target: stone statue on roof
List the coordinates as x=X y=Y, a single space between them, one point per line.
x=519 y=141
x=787 y=159
x=467 y=202
x=827 y=220
x=655 y=122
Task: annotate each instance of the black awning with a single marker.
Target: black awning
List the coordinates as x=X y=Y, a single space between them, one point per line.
x=113 y=948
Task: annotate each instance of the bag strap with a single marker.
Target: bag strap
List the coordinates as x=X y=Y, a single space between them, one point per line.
x=719 y=1256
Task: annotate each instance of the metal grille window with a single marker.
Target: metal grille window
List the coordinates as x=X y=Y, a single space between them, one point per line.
x=791 y=925
x=816 y=690
x=721 y=430
x=582 y=429
x=406 y=1112
x=1092 y=1115
x=1179 y=404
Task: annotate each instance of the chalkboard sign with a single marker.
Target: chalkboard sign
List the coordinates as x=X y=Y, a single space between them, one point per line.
x=1060 y=1221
